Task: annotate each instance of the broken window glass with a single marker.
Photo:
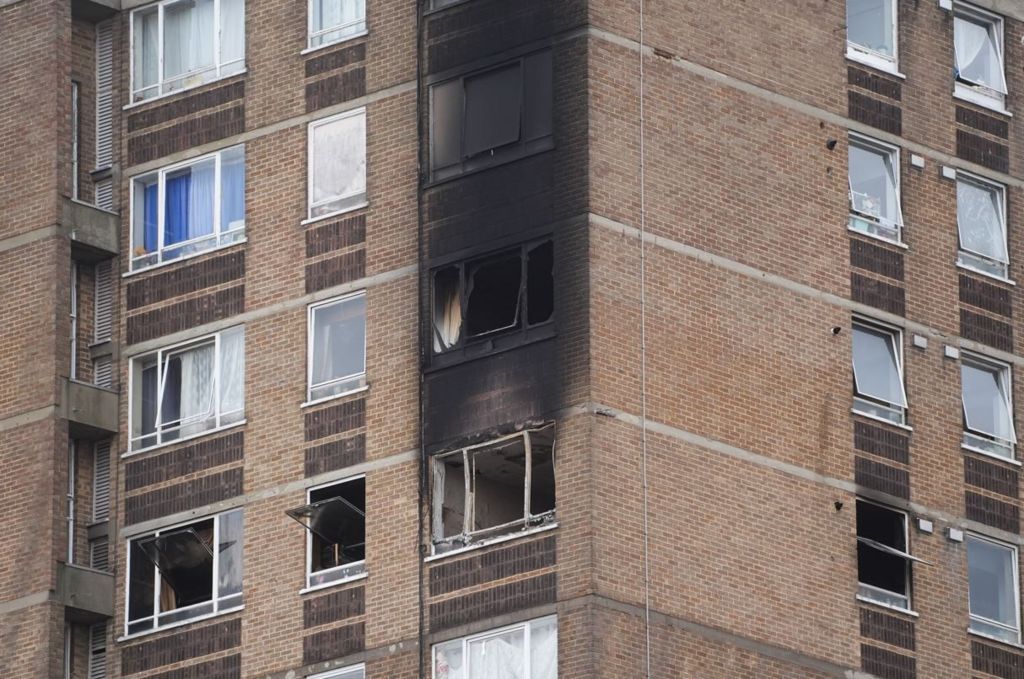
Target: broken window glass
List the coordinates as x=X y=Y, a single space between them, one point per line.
x=175 y=573
x=883 y=562
x=491 y=116
x=336 y=520
x=488 y=296
x=493 y=489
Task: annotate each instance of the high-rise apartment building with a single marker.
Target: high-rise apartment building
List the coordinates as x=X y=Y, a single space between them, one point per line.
x=478 y=339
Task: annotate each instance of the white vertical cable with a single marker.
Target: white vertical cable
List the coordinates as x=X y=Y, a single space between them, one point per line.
x=643 y=362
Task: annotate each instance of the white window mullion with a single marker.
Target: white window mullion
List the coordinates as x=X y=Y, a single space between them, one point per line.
x=215 y=548
x=161 y=188
x=216 y=36
x=216 y=379
x=218 y=208
x=160 y=49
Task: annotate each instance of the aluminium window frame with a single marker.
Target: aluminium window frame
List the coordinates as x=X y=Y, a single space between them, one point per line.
x=976 y=93
x=873 y=403
x=310 y=353
x=161 y=354
x=220 y=236
x=348 y=672
x=860 y=222
x=311 y=34
x=869 y=57
x=160 y=85
x=526 y=626
x=356 y=205
x=157 y=577
x=358 y=568
x=1015 y=562
x=1001 y=214
x=865 y=591
x=980 y=442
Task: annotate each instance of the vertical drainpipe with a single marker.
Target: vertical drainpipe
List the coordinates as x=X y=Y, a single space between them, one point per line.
x=422 y=489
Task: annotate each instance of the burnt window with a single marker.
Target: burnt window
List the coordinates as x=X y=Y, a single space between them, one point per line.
x=493 y=296
x=883 y=555
x=493 y=489
x=491 y=117
x=336 y=542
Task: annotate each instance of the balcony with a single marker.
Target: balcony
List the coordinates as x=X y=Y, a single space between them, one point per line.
x=91 y=411
x=93 y=232
x=87 y=593
x=94 y=10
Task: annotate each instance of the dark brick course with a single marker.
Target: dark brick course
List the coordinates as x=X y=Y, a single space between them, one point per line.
x=330 y=272
x=333 y=643
x=494 y=601
x=878 y=294
x=991 y=476
x=986 y=330
x=186 y=314
x=985 y=296
x=335 y=420
x=222 y=668
x=992 y=512
x=882 y=477
x=886 y=628
x=492 y=565
x=335 y=455
x=876 y=259
x=982 y=151
x=187 y=105
x=874 y=83
x=187 y=134
x=887 y=664
x=347 y=56
x=882 y=442
x=874 y=112
x=183 y=646
x=336 y=235
x=335 y=89
x=997 y=661
x=188 y=460
x=181 y=281
x=183 y=496
x=997 y=127
x=346 y=603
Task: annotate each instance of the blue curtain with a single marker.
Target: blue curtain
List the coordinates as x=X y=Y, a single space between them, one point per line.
x=232 y=193
x=176 y=210
x=150 y=237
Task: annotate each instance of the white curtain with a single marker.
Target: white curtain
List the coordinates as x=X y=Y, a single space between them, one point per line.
x=980 y=217
x=447 y=313
x=229 y=577
x=200 y=200
x=188 y=37
x=544 y=650
x=448 y=661
x=232 y=373
x=501 y=657
x=232 y=30
x=339 y=162
x=331 y=13
x=196 y=389
x=977 y=57
x=146 y=62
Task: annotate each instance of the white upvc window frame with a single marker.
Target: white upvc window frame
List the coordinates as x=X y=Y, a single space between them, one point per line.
x=219 y=69
x=335 y=575
x=221 y=237
x=1013 y=633
x=349 y=383
x=219 y=605
x=975 y=261
x=163 y=355
x=352 y=200
x=878 y=595
x=873 y=406
x=864 y=223
x=527 y=627
x=982 y=442
x=358 y=26
x=982 y=95
x=350 y=672
x=870 y=57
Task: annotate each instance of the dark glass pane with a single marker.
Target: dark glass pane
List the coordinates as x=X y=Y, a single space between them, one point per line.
x=493 y=291
x=492 y=109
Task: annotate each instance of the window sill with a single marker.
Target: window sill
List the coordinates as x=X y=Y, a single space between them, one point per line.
x=347 y=38
x=182 y=623
x=334 y=583
x=127 y=274
x=167 y=95
x=889 y=607
x=896 y=243
x=208 y=432
x=334 y=397
x=321 y=218
x=877 y=63
x=979 y=451
x=988 y=637
x=964 y=94
x=1006 y=281
x=876 y=418
x=492 y=541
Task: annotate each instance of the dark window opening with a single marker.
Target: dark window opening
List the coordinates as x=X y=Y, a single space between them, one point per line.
x=185 y=561
x=493 y=489
x=497 y=294
x=883 y=562
x=336 y=521
x=491 y=116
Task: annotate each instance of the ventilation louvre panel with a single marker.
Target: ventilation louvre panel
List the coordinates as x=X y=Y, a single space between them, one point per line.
x=101 y=482
x=104 y=300
x=104 y=96
x=98 y=651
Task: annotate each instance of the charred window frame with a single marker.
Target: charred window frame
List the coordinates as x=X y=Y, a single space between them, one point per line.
x=495 y=301
x=184 y=573
x=510 y=490
x=884 y=562
x=335 y=523
x=491 y=116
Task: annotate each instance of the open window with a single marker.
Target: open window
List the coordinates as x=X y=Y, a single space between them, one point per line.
x=987 y=405
x=337 y=347
x=188 y=389
x=181 y=573
x=981 y=224
x=883 y=555
x=871 y=32
x=874 y=178
x=993 y=593
x=335 y=520
x=500 y=294
x=492 y=116
x=493 y=489
x=978 y=46
x=878 y=372
x=528 y=650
